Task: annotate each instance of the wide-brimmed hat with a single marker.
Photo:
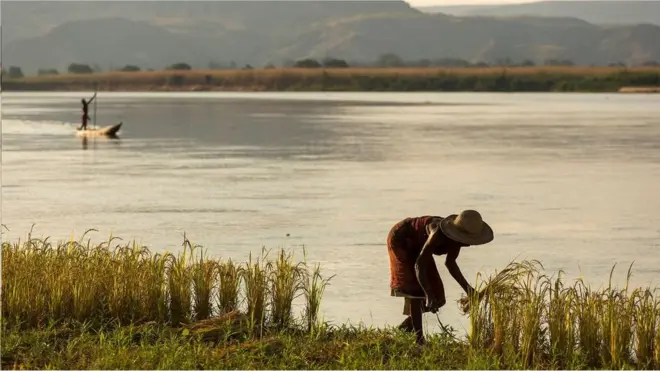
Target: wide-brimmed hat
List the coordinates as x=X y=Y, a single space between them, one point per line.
x=468 y=227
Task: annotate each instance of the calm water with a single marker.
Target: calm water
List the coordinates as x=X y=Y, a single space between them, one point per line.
x=570 y=180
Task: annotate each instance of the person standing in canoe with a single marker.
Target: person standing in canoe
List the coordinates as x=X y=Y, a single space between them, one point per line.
x=85 y=109
x=411 y=244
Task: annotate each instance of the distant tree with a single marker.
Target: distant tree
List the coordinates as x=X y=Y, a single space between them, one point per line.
x=47 y=71
x=248 y=67
x=425 y=62
x=15 y=72
x=451 y=62
x=232 y=65
x=481 y=65
x=651 y=64
x=79 y=68
x=334 y=63
x=559 y=62
x=506 y=62
x=390 y=60
x=130 y=68
x=617 y=64
x=307 y=63
x=288 y=62
x=528 y=63
x=180 y=66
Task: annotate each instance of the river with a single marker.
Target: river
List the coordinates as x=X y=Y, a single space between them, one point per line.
x=572 y=180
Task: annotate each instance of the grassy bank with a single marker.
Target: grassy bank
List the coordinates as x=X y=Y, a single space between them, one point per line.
x=112 y=305
x=524 y=79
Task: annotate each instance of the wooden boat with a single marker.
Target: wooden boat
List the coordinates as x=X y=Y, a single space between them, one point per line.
x=106 y=131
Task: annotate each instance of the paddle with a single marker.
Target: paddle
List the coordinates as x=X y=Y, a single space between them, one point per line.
x=95 y=91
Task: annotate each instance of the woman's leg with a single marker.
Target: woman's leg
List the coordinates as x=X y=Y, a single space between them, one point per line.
x=406 y=325
x=416 y=306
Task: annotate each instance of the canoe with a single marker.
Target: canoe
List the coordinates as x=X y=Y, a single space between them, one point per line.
x=109 y=131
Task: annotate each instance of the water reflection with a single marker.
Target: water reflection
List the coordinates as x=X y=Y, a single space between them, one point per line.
x=113 y=139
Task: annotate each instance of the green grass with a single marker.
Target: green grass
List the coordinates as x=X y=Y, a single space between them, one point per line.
x=496 y=79
x=77 y=305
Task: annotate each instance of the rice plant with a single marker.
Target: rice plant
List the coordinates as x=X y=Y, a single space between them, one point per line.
x=255 y=277
x=527 y=319
x=646 y=318
x=561 y=324
x=45 y=283
x=313 y=286
x=204 y=277
x=522 y=318
x=285 y=282
x=229 y=276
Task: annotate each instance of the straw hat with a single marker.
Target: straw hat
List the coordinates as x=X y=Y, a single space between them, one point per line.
x=468 y=227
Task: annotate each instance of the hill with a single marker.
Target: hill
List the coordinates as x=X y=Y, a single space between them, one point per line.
x=598 y=12
x=154 y=34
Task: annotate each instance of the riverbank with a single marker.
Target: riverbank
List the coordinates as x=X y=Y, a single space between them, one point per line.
x=76 y=305
x=491 y=79
x=158 y=347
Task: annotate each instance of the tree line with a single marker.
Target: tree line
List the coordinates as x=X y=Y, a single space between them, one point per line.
x=388 y=60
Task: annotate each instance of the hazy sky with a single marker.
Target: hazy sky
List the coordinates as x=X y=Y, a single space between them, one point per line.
x=472 y=2
x=462 y=2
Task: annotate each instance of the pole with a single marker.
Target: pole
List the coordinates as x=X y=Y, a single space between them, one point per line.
x=95 y=100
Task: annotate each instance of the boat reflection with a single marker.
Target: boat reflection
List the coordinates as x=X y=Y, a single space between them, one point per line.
x=107 y=138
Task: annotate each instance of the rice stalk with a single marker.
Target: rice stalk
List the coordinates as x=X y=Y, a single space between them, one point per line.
x=285 y=283
x=616 y=325
x=561 y=326
x=587 y=308
x=180 y=285
x=255 y=277
x=313 y=287
x=645 y=318
x=229 y=275
x=204 y=275
x=656 y=341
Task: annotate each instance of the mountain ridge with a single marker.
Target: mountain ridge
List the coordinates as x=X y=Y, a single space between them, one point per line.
x=157 y=34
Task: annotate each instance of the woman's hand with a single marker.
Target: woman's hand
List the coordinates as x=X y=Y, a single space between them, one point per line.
x=433 y=303
x=465 y=302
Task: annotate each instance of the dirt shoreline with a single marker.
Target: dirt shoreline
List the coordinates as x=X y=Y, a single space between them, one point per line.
x=201 y=88
x=640 y=89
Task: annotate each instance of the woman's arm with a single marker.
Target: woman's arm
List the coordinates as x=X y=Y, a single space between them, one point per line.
x=422 y=262
x=455 y=271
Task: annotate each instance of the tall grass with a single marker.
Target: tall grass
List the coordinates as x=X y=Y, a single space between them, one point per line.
x=45 y=283
x=525 y=318
x=528 y=319
x=356 y=79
